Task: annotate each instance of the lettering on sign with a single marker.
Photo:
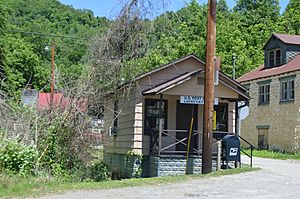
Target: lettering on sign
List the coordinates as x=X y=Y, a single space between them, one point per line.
x=191 y=100
x=195 y=100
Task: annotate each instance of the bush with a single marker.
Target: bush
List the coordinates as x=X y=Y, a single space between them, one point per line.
x=99 y=171
x=17 y=158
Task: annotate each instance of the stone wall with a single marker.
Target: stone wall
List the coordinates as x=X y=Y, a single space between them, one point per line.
x=281 y=120
x=175 y=165
x=153 y=166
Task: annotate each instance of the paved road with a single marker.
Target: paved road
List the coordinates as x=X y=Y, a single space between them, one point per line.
x=276 y=179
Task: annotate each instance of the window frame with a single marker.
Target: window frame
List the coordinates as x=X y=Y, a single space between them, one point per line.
x=115 y=128
x=146 y=130
x=265 y=95
x=274 y=57
x=286 y=90
x=218 y=111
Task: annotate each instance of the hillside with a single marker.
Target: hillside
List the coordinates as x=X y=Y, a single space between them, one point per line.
x=34 y=24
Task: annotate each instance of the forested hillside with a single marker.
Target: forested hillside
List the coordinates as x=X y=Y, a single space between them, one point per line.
x=242 y=30
x=32 y=25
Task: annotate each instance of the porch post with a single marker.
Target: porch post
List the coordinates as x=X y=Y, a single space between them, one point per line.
x=160 y=123
x=237 y=118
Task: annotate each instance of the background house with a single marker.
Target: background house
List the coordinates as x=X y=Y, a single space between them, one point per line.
x=152 y=116
x=274 y=109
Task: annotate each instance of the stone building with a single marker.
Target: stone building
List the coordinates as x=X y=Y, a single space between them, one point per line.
x=152 y=115
x=274 y=88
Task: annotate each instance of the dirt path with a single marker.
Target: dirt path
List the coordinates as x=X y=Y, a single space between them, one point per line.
x=276 y=179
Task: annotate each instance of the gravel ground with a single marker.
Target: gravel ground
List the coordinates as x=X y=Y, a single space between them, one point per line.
x=276 y=179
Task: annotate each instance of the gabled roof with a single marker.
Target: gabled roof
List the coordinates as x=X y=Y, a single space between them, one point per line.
x=285 y=38
x=168 y=65
x=158 y=89
x=171 y=83
x=261 y=72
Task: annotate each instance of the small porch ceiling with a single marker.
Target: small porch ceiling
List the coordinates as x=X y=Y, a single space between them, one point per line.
x=179 y=80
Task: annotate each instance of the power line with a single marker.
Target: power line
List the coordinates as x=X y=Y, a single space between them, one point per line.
x=48 y=35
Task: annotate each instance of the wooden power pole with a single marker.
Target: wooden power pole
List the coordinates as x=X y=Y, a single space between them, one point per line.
x=52 y=77
x=209 y=88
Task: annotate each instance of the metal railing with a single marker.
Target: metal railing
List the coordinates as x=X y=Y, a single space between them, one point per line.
x=251 y=150
x=171 y=135
x=165 y=141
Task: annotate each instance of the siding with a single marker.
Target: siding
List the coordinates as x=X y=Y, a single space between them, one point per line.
x=126 y=139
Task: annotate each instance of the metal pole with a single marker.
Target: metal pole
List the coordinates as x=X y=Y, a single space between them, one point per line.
x=233 y=65
x=209 y=88
x=52 y=77
x=189 y=144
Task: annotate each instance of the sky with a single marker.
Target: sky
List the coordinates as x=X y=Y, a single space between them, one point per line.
x=109 y=8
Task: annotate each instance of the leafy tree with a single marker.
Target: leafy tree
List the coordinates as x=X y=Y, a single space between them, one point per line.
x=2 y=33
x=291 y=17
x=22 y=66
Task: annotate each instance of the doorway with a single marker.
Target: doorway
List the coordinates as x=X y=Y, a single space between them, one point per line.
x=184 y=113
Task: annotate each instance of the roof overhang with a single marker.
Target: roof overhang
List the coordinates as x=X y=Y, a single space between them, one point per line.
x=227 y=82
x=158 y=89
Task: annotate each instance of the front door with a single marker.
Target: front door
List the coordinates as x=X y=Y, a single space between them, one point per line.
x=184 y=114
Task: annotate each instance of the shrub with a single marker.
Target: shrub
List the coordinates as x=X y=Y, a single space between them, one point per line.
x=99 y=171
x=17 y=158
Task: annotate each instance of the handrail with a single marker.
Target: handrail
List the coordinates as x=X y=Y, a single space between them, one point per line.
x=251 y=150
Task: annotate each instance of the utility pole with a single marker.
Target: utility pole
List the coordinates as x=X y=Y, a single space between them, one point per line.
x=233 y=65
x=209 y=88
x=52 y=77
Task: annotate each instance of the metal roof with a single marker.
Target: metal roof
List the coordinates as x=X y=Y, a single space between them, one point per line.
x=261 y=72
x=285 y=38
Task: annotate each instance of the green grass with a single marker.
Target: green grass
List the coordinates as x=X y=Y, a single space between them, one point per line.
x=24 y=187
x=274 y=155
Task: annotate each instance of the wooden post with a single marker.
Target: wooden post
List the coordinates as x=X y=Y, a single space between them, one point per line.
x=218 y=155
x=209 y=88
x=52 y=77
x=160 y=135
x=160 y=123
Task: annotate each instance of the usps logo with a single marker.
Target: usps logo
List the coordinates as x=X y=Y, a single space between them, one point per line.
x=233 y=151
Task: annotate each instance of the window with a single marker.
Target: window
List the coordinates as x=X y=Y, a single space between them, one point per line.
x=271 y=59
x=222 y=117
x=264 y=94
x=152 y=112
x=287 y=90
x=274 y=57
x=115 y=127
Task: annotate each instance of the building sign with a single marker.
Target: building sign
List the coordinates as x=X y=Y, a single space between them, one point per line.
x=195 y=100
x=191 y=100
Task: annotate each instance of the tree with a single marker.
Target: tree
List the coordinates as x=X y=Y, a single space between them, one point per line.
x=22 y=66
x=291 y=17
x=2 y=33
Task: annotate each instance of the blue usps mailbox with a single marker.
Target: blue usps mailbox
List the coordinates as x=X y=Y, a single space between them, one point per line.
x=231 y=149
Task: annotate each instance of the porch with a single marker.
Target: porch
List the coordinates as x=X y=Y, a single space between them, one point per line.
x=175 y=128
